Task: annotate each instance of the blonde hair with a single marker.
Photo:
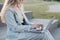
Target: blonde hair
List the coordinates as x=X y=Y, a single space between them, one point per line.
x=2 y=14
x=5 y=6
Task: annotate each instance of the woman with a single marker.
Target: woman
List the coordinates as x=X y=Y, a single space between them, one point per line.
x=16 y=22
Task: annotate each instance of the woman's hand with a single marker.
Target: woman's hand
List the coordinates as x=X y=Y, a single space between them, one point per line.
x=37 y=25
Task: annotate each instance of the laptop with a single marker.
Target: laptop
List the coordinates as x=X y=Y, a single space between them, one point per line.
x=49 y=24
x=43 y=29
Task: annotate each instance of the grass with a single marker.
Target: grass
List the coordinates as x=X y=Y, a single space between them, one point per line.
x=39 y=7
x=1 y=1
x=39 y=10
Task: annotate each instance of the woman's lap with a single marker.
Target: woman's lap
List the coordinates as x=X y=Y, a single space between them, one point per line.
x=30 y=37
x=35 y=37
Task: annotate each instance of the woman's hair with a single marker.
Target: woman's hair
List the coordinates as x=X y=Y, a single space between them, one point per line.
x=2 y=14
x=5 y=6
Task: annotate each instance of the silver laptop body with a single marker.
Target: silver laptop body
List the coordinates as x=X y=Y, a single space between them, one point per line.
x=44 y=28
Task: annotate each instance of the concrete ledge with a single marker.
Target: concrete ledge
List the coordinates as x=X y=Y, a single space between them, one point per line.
x=28 y=14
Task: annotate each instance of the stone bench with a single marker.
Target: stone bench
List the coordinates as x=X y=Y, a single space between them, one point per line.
x=28 y=14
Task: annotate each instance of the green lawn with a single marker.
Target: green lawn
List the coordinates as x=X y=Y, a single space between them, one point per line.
x=39 y=7
x=1 y=1
x=39 y=10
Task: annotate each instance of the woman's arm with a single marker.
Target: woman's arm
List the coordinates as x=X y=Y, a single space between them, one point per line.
x=12 y=22
x=26 y=19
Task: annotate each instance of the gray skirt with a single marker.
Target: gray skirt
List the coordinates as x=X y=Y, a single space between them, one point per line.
x=28 y=36
x=33 y=36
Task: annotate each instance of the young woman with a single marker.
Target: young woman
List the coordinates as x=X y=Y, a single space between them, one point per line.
x=17 y=25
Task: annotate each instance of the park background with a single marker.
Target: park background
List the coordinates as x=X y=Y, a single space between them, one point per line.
x=39 y=8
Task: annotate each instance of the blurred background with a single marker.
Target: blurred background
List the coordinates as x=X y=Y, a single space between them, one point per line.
x=39 y=8
x=43 y=9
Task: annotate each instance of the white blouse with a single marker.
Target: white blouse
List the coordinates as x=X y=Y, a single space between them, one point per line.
x=19 y=13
